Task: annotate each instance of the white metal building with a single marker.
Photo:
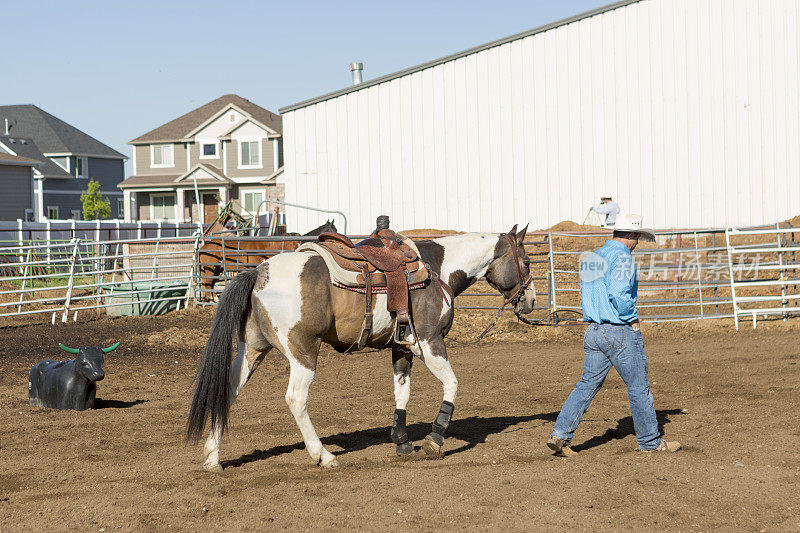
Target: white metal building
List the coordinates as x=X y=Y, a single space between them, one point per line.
x=687 y=111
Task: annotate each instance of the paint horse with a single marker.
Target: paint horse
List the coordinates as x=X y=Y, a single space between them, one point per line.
x=289 y=303
x=68 y=384
x=220 y=253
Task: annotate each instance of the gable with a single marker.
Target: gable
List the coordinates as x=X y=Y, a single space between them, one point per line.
x=203 y=173
x=221 y=125
x=249 y=129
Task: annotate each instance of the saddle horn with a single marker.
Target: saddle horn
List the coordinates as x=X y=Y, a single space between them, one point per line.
x=110 y=348
x=68 y=349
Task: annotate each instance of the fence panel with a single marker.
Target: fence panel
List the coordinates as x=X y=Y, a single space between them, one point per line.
x=770 y=286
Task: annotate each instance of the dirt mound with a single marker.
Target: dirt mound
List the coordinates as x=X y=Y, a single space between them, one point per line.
x=429 y=232
x=568 y=225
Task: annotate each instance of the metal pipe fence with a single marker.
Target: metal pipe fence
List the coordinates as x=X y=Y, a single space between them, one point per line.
x=685 y=275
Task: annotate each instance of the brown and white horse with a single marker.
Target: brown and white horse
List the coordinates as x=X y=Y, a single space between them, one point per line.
x=289 y=303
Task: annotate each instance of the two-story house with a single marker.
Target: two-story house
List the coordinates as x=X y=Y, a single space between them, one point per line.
x=186 y=169
x=66 y=159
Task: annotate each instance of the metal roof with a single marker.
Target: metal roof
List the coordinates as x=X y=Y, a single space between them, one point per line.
x=458 y=55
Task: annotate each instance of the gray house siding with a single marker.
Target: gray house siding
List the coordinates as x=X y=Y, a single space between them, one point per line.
x=67 y=191
x=267 y=160
x=15 y=182
x=143 y=167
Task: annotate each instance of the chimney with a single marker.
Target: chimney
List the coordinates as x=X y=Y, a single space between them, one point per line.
x=355 y=70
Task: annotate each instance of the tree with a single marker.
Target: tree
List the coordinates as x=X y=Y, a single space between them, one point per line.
x=94 y=205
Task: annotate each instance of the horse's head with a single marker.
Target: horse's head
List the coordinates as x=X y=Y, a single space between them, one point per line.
x=327 y=227
x=509 y=271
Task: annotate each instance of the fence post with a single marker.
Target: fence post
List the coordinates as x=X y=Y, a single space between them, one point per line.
x=71 y=281
x=24 y=280
x=19 y=237
x=699 y=273
x=780 y=263
x=195 y=280
x=139 y=230
x=158 y=236
x=72 y=225
x=553 y=304
x=97 y=231
x=730 y=273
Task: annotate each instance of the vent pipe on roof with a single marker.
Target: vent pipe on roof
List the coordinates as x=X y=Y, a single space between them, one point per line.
x=8 y=127
x=355 y=70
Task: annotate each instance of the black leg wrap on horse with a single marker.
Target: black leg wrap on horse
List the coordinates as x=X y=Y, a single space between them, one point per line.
x=399 y=433
x=442 y=422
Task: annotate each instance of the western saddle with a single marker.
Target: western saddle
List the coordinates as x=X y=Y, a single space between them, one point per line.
x=383 y=262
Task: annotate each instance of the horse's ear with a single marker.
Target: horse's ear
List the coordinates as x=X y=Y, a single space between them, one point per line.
x=513 y=230
x=521 y=235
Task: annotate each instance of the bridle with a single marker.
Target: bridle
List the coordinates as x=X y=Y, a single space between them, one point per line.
x=514 y=298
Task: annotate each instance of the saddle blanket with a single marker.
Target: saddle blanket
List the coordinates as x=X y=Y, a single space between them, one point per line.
x=351 y=280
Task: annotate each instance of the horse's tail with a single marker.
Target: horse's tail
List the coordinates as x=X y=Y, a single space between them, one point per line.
x=211 y=386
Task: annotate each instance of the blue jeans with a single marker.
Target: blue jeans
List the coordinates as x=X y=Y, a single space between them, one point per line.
x=608 y=345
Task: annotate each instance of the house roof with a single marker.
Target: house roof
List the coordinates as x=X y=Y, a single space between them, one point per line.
x=178 y=180
x=28 y=148
x=453 y=57
x=161 y=180
x=16 y=160
x=52 y=135
x=181 y=127
x=216 y=173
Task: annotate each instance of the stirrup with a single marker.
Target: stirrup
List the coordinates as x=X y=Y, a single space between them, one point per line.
x=400 y=331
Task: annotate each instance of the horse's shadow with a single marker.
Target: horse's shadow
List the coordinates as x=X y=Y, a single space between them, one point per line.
x=100 y=403
x=625 y=428
x=472 y=430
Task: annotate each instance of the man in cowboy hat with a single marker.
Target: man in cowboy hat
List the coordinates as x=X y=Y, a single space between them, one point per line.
x=609 y=208
x=608 y=293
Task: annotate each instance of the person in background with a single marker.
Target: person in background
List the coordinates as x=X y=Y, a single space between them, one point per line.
x=609 y=288
x=609 y=208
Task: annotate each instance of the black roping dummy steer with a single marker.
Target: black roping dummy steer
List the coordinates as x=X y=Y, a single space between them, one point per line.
x=68 y=384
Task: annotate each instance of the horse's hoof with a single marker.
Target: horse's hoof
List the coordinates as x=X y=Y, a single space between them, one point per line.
x=405 y=448
x=329 y=461
x=215 y=468
x=432 y=448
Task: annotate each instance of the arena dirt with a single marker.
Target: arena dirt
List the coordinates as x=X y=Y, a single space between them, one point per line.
x=731 y=398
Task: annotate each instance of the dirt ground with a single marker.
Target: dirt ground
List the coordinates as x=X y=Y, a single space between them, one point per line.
x=731 y=398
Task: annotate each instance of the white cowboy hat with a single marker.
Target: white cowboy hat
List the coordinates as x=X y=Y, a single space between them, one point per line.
x=604 y=196
x=631 y=222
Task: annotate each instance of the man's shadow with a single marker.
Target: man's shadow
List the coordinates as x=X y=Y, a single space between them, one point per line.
x=100 y=403
x=472 y=430
x=625 y=428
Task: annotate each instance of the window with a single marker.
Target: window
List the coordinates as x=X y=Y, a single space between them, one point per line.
x=63 y=162
x=52 y=212
x=252 y=201
x=163 y=206
x=76 y=214
x=120 y=207
x=249 y=154
x=208 y=150
x=82 y=167
x=161 y=155
x=232 y=117
x=29 y=216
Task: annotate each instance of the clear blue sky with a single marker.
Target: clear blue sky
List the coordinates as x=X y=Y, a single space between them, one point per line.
x=118 y=69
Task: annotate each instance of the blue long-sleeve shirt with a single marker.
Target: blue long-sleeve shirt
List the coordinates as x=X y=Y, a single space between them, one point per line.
x=609 y=285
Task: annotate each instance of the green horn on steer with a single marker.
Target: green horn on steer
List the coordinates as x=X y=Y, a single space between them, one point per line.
x=68 y=349
x=113 y=346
